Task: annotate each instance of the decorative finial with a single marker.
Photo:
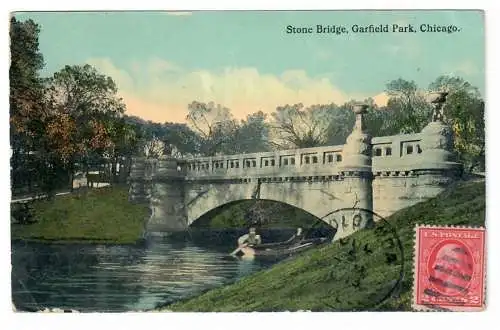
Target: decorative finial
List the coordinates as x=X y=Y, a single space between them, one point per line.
x=359 y=109
x=437 y=99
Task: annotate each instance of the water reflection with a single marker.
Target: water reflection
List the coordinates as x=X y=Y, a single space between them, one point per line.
x=119 y=278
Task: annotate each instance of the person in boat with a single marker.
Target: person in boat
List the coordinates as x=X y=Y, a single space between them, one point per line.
x=250 y=239
x=298 y=236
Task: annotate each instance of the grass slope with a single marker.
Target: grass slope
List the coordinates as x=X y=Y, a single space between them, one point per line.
x=359 y=273
x=101 y=215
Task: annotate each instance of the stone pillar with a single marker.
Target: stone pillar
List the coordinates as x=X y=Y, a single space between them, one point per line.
x=437 y=138
x=149 y=169
x=438 y=166
x=167 y=197
x=356 y=169
x=137 y=193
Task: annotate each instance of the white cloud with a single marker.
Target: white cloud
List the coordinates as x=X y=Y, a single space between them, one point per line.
x=160 y=90
x=121 y=77
x=159 y=65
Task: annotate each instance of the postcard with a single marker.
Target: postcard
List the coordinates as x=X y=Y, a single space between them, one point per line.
x=248 y=161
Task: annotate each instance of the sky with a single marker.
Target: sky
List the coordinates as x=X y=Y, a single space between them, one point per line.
x=162 y=61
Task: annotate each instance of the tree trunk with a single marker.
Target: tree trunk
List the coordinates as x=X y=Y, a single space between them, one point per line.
x=86 y=171
x=70 y=178
x=113 y=170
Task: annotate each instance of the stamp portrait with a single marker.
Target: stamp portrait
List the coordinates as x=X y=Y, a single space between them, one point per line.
x=449 y=268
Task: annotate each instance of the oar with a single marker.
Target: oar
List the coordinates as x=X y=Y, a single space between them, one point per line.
x=235 y=251
x=238 y=249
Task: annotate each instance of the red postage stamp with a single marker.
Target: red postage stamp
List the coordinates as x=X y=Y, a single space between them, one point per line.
x=449 y=269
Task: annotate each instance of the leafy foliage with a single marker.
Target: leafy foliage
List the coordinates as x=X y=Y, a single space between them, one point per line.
x=341 y=123
x=464 y=110
x=154 y=148
x=88 y=99
x=297 y=127
x=214 y=124
x=73 y=116
x=409 y=110
x=252 y=135
x=177 y=135
x=26 y=99
x=219 y=133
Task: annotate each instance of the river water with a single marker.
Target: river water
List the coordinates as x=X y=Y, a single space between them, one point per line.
x=117 y=278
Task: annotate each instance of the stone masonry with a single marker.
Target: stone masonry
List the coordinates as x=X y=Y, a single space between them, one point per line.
x=383 y=174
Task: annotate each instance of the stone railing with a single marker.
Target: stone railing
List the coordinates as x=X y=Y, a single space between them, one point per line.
x=307 y=161
x=389 y=153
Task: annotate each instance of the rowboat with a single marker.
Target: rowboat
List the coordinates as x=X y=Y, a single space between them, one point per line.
x=279 y=249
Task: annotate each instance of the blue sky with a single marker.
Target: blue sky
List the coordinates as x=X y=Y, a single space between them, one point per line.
x=246 y=61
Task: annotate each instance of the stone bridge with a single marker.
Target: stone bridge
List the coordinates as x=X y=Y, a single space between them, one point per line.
x=383 y=174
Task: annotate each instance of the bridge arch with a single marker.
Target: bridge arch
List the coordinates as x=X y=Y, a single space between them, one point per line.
x=315 y=198
x=265 y=205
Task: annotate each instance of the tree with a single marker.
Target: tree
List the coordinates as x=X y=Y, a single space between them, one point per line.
x=381 y=121
x=178 y=135
x=181 y=138
x=27 y=102
x=88 y=101
x=252 y=135
x=124 y=138
x=464 y=110
x=215 y=126
x=341 y=122
x=125 y=142
x=292 y=126
x=409 y=110
x=153 y=148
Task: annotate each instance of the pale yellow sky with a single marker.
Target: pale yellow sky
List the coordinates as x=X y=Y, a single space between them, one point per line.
x=247 y=62
x=166 y=90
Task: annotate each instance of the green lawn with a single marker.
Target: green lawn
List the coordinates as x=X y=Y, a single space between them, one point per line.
x=360 y=273
x=100 y=215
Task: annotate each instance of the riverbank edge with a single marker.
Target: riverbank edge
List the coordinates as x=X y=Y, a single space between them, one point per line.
x=68 y=241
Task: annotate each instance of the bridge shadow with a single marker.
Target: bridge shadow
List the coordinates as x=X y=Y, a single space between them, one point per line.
x=274 y=221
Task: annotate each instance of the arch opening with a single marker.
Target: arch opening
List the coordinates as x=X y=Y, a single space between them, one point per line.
x=265 y=215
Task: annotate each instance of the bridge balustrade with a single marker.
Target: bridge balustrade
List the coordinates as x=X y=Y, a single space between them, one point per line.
x=396 y=152
x=320 y=159
x=390 y=153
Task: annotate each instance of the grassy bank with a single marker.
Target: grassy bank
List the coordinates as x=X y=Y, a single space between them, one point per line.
x=100 y=215
x=360 y=273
